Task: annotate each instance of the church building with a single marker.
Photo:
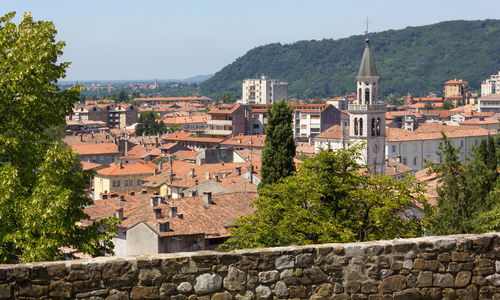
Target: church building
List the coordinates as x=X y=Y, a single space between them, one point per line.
x=366 y=119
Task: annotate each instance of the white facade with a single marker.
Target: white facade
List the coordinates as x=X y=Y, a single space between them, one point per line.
x=415 y=153
x=489 y=103
x=263 y=90
x=491 y=85
x=367 y=116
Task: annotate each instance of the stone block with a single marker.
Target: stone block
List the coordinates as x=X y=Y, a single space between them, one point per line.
x=443 y=280
x=352 y=287
x=60 y=289
x=393 y=283
x=144 y=292
x=284 y=262
x=286 y=273
x=184 y=287
x=118 y=273
x=462 y=279
x=460 y=256
x=5 y=291
x=304 y=260
x=493 y=279
x=468 y=293
x=407 y=294
x=418 y=264
x=316 y=275
x=117 y=295
x=207 y=283
x=369 y=287
x=268 y=276
x=148 y=277
x=408 y=264
x=235 y=280
x=444 y=257
x=281 y=290
x=263 y=292
x=424 y=279
x=297 y=291
x=167 y=289
x=222 y=296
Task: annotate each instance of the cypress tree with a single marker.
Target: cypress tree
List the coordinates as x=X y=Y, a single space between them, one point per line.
x=279 y=146
x=491 y=159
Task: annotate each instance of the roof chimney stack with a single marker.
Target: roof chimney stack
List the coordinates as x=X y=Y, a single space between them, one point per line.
x=119 y=213
x=163 y=226
x=207 y=176
x=157 y=213
x=191 y=172
x=207 y=199
x=238 y=171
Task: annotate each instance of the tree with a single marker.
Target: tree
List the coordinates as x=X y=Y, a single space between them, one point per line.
x=42 y=194
x=279 y=146
x=428 y=106
x=329 y=200
x=149 y=123
x=467 y=191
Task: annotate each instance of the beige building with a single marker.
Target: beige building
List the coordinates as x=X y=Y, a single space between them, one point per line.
x=491 y=85
x=101 y=153
x=456 y=92
x=113 y=115
x=229 y=120
x=122 y=178
x=263 y=90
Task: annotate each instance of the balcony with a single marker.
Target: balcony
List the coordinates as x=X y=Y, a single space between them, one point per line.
x=368 y=107
x=220 y=122
x=218 y=132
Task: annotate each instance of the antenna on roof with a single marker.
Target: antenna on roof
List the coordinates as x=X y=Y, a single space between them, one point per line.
x=367 y=22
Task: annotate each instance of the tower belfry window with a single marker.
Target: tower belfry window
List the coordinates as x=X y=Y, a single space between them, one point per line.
x=378 y=126
x=373 y=126
x=367 y=96
x=355 y=126
x=360 y=96
x=360 y=126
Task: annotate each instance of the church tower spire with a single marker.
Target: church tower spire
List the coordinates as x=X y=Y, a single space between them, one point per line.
x=367 y=115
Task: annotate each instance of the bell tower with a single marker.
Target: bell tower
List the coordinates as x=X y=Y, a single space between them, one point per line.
x=367 y=115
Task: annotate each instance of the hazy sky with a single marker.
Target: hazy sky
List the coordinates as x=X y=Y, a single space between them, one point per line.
x=129 y=39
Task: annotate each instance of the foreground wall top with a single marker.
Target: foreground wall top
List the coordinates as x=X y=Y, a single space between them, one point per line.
x=447 y=267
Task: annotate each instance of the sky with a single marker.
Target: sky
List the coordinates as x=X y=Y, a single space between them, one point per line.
x=154 y=39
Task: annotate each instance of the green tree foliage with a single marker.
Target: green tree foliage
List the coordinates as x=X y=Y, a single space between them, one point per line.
x=149 y=123
x=415 y=59
x=227 y=97
x=42 y=194
x=329 y=200
x=468 y=192
x=279 y=146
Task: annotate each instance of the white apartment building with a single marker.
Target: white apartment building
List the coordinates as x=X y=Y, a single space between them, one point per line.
x=263 y=90
x=489 y=103
x=491 y=85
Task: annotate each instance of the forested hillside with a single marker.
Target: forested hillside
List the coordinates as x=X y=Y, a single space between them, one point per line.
x=415 y=59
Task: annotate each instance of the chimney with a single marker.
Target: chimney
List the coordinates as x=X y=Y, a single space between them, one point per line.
x=157 y=213
x=196 y=182
x=126 y=148
x=131 y=193
x=119 y=213
x=160 y=166
x=172 y=211
x=155 y=171
x=207 y=198
x=81 y=137
x=191 y=172
x=92 y=135
x=223 y=175
x=163 y=226
x=122 y=198
x=153 y=201
x=120 y=165
x=104 y=196
x=399 y=158
x=192 y=193
x=216 y=177
x=395 y=169
x=157 y=144
x=180 y=216
x=207 y=176
x=238 y=171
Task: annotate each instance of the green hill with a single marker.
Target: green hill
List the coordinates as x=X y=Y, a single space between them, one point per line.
x=415 y=59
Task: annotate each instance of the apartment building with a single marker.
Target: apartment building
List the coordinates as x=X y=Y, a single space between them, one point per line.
x=101 y=153
x=308 y=119
x=113 y=115
x=489 y=103
x=229 y=120
x=491 y=85
x=263 y=90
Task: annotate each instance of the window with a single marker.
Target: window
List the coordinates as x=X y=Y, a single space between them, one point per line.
x=315 y=117
x=476 y=142
x=367 y=96
x=130 y=182
x=415 y=160
x=303 y=126
x=138 y=182
x=360 y=126
x=125 y=183
x=393 y=148
x=314 y=129
x=404 y=148
x=303 y=117
x=415 y=148
x=404 y=160
x=428 y=146
x=118 y=183
x=355 y=126
x=373 y=126
x=256 y=126
x=378 y=126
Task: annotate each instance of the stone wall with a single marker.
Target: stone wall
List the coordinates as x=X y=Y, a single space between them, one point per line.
x=449 y=267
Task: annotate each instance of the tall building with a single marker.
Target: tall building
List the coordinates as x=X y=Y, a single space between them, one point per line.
x=263 y=90
x=491 y=85
x=367 y=115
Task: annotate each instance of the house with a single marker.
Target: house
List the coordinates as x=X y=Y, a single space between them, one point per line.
x=192 y=122
x=122 y=178
x=153 y=224
x=165 y=100
x=187 y=139
x=102 y=153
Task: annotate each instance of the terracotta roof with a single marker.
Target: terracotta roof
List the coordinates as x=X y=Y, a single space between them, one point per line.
x=432 y=131
x=427 y=99
x=186 y=155
x=455 y=81
x=334 y=132
x=490 y=96
x=481 y=121
x=128 y=169
x=224 y=109
x=95 y=148
x=173 y=98
x=202 y=118
x=440 y=112
x=90 y=166
x=335 y=99
x=394 y=167
x=211 y=220
x=186 y=136
x=244 y=140
x=465 y=108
